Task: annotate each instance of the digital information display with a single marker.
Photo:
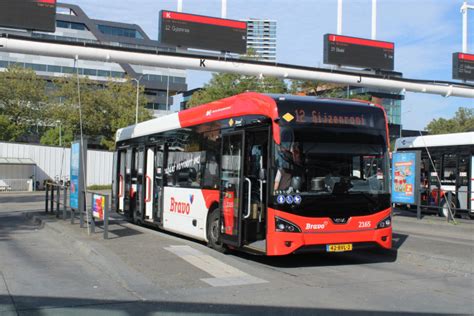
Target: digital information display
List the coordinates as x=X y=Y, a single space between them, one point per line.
x=358 y=52
x=203 y=32
x=38 y=15
x=463 y=66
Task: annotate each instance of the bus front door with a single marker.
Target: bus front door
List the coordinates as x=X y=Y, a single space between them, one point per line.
x=129 y=186
x=120 y=182
x=242 y=189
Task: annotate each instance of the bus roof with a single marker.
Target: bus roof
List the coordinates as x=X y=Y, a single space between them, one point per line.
x=455 y=139
x=249 y=103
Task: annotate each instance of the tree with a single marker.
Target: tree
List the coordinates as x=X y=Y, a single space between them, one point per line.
x=463 y=121
x=223 y=85
x=22 y=101
x=105 y=108
x=323 y=89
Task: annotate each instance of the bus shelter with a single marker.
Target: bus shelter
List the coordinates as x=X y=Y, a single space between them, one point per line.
x=17 y=174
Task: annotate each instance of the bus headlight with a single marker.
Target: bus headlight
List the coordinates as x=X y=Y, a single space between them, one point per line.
x=386 y=222
x=282 y=225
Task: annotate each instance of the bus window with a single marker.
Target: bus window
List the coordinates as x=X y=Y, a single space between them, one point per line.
x=463 y=170
x=434 y=174
x=184 y=161
x=448 y=175
x=211 y=148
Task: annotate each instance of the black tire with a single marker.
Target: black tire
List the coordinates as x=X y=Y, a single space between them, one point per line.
x=214 y=232
x=444 y=210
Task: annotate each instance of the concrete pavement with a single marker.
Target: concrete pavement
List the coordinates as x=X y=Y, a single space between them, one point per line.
x=55 y=268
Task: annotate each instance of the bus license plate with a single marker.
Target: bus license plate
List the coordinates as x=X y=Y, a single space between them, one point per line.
x=339 y=248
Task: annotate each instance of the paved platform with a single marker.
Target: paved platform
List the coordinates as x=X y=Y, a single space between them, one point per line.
x=48 y=266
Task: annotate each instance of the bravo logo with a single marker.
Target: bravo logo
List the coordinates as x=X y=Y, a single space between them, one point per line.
x=310 y=226
x=181 y=207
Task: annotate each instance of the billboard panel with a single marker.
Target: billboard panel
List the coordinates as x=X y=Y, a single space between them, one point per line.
x=75 y=175
x=358 y=52
x=405 y=177
x=39 y=15
x=463 y=66
x=203 y=32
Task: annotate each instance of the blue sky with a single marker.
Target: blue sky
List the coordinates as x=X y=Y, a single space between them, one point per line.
x=425 y=32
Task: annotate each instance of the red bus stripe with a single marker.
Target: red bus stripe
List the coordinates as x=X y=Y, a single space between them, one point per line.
x=203 y=19
x=465 y=56
x=47 y=1
x=360 y=41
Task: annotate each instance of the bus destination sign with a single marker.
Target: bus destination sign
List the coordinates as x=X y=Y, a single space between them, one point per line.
x=358 y=52
x=32 y=15
x=463 y=66
x=203 y=32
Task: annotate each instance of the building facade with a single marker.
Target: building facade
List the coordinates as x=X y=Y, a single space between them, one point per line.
x=72 y=24
x=262 y=38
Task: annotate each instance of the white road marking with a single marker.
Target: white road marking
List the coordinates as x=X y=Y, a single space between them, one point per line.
x=223 y=274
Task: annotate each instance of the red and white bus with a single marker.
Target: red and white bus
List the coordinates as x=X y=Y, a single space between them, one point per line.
x=269 y=174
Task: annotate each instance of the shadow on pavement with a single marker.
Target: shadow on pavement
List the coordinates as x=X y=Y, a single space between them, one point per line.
x=325 y=259
x=117 y=230
x=37 y=305
x=15 y=223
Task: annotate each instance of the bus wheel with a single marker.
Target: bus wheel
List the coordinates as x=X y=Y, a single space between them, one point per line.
x=214 y=232
x=444 y=210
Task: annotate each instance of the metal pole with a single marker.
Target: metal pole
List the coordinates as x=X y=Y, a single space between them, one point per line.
x=224 y=9
x=106 y=218
x=52 y=199
x=180 y=6
x=464 y=27
x=91 y=217
x=46 y=197
x=58 y=193
x=60 y=137
x=168 y=91
x=136 y=107
x=339 y=17
x=374 y=19
x=64 y=201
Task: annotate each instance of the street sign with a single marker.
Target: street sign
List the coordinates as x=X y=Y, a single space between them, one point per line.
x=463 y=66
x=37 y=15
x=202 y=32
x=358 y=52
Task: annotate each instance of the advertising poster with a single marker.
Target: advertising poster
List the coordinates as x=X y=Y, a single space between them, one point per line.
x=98 y=206
x=75 y=166
x=404 y=177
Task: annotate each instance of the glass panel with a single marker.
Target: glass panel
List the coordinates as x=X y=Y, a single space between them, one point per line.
x=230 y=182
x=54 y=68
x=449 y=169
x=463 y=170
x=184 y=160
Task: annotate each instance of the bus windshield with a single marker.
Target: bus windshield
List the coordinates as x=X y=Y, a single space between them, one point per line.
x=324 y=163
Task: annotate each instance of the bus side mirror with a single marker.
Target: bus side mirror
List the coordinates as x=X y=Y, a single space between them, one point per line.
x=262 y=174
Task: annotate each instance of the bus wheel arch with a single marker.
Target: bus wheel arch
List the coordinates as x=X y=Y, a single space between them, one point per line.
x=213 y=229
x=444 y=210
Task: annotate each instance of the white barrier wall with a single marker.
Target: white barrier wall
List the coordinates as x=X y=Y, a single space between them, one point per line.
x=53 y=162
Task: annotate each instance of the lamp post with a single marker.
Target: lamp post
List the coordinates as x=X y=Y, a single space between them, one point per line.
x=138 y=94
x=60 y=135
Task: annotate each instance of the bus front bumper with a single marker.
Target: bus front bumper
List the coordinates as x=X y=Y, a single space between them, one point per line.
x=283 y=243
